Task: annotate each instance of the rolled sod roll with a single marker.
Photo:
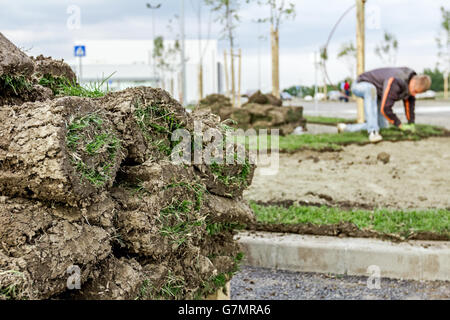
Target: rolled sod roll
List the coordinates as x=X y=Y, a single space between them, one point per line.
x=65 y=150
x=145 y=118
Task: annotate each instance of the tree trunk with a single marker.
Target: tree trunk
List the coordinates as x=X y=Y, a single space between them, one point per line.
x=233 y=79
x=240 y=78
x=446 y=74
x=275 y=62
x=200 y=81
x=325 y=86
x=227 y=81
x=360 y=47
x=180 y=87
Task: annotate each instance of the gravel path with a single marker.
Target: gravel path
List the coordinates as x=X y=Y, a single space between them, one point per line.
x=265 y=284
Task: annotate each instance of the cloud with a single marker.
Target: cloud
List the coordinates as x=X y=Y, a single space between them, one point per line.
x=41 y=25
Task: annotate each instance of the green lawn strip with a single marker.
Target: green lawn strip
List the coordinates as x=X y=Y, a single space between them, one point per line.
x=402 y=223
x=329 y=121
x=335 y=141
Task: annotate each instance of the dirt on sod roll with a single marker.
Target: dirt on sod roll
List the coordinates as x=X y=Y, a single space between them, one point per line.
x=260 y=112
x=17 y=82
x=145 y=118
x=39 y=248
x=63 y=150
x=260 y=98
x=165 y=216
x=56 y=69
x=91 y=205
x=13 y=62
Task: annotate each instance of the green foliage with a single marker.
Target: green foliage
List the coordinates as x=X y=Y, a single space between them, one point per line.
x=76 y=136
x=103 y=140
x=54 y=83
x=387 y=49
x=437 y=79
x=10 y=292
x=156 y=121
x=164 y=56
x=294 y=91
x=227 y=16
x=75 y=128
x=301 y=91
x=444 y=44
x=279 y=12
x=145 y=292
x=220 y=281
x=218 y=228
x=328 y=120
x=198 y=189
x=178 y=223
x=401 y=223
x=181 y=218
x=17 y=85
x=64 y=87
x=98 y=176
x=158 y=49
x=172 y=289
x=240 y=179
x=347 y=52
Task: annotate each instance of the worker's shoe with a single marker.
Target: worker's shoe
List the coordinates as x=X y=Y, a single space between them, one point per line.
x=341 y=127
x=375 y=137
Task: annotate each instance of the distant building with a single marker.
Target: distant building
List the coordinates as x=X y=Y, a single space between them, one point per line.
x=130 y=63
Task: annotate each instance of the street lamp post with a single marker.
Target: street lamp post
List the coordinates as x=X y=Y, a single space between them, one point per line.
x=183 y=58
x=153 y=8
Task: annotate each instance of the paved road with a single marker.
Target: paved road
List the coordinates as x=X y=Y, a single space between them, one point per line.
x=265 y=284
x=428 y=112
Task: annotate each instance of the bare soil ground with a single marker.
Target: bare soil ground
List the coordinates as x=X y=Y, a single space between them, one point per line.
x=417 y=176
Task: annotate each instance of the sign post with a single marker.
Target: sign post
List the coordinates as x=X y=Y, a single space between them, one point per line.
x=80 y=52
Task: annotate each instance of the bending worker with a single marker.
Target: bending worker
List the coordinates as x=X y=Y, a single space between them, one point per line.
x=380 y=89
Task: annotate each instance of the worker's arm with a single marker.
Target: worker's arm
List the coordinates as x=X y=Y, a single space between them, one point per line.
x=392 y=88
x=410 y=109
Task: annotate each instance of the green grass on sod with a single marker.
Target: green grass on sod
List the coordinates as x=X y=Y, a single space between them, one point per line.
x=335 y=142
x=329 y=121
x=401 y=223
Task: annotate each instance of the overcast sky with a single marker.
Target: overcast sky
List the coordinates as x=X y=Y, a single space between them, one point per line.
x=41 y=27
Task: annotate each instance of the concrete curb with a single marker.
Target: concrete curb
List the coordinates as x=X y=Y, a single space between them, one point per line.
x=412 y=260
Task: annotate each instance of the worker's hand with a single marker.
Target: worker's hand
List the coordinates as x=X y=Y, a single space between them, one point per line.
x=408 y=127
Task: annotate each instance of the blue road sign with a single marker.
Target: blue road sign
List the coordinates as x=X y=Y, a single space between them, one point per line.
x=80 y=51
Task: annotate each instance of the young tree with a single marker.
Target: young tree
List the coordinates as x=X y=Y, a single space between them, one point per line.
x=173 y=55
x=165 y=57
x=201 y=48
x=348 y=54
x=227 y=15
x=279 y=12
x=387 y=49
x=444 y=48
